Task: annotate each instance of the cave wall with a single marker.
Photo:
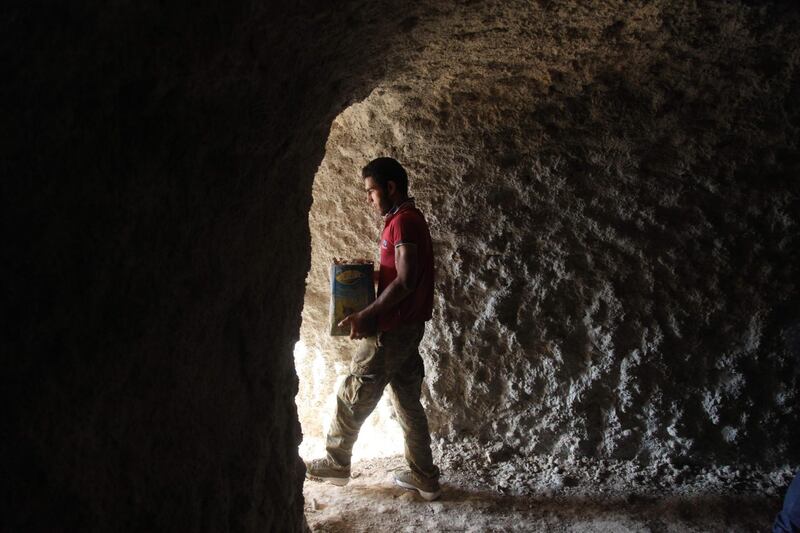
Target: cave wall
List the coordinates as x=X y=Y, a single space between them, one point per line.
x=612 y=191
x=610 y=187
x=157 y=168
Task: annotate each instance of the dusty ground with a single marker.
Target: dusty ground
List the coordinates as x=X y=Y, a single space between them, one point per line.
x=561 y=497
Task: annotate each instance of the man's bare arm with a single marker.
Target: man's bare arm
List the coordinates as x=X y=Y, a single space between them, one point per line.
x=405 y=261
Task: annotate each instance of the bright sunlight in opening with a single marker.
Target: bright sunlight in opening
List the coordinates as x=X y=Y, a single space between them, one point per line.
x=380 y=436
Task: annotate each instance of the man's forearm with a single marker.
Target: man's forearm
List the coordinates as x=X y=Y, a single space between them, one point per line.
x=393 y=294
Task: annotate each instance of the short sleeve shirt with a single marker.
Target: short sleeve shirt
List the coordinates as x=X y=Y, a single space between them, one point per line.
x=404 y=226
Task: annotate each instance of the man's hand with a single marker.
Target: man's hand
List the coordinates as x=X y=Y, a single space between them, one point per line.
x=360 y=327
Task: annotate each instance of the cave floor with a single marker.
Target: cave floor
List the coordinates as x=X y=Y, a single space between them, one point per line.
x=371 y=502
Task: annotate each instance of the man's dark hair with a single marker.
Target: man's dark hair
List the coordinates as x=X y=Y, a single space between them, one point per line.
x=385 y=169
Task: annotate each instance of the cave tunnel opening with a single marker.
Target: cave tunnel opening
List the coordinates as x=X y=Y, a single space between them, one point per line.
x=340 y=226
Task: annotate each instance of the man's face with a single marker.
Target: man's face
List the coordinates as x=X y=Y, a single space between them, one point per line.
x=377 y=197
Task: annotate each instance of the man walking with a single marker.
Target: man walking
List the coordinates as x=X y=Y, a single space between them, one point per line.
x=393 y=326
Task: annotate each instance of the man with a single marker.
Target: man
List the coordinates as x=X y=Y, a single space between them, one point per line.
x=393 y=326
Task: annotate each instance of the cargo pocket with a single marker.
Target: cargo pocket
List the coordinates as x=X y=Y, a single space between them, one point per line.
x=367 y=358
x=351 y=389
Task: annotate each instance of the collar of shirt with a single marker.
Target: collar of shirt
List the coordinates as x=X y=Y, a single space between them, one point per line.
x=396 y=209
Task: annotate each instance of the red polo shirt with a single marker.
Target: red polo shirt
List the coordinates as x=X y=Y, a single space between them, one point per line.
x=406 y=225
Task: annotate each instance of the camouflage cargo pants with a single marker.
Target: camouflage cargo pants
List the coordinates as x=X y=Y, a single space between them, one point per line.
x=392 y=358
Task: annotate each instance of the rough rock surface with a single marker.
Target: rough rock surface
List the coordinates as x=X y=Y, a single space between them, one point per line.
x=612 y=190
x=157 y=163
x=610 y=185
